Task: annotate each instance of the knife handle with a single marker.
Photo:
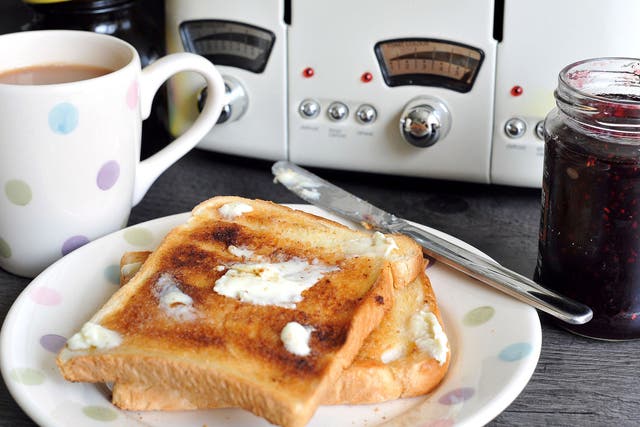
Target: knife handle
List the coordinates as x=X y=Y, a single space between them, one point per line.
x=492 y=273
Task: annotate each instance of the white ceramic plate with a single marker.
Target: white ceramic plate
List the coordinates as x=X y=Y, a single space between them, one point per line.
x=495 y=343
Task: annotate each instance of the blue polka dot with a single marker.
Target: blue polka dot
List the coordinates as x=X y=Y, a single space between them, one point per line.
x=63 y=118
x=112 y=274
x=515 y=352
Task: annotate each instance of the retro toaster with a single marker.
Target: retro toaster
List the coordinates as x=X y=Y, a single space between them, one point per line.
x=454 y=90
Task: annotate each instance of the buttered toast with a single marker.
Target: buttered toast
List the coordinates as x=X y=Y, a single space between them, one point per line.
x=249 y=299
x=406 y=355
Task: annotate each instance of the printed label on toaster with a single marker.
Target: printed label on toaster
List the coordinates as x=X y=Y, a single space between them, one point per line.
x=337 y=133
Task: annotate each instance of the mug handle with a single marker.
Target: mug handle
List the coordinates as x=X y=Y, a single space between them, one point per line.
x=151 y=79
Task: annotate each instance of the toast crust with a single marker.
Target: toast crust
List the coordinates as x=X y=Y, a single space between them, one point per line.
x=370 y=380
x=235 y=347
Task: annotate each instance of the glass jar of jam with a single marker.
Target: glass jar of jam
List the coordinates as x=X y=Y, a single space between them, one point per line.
x=589 y=243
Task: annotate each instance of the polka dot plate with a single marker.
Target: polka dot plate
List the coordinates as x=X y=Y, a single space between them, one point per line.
x=495 y=343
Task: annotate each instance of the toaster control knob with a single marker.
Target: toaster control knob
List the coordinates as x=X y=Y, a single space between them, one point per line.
x=237 y=100
x=424 y=121
x=366 y=114
x=225 y=114
x=515 y=128
x=309 y=109
x=540 y=129
x=338 y=111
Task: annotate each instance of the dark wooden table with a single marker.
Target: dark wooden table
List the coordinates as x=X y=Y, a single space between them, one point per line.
x=578 y=382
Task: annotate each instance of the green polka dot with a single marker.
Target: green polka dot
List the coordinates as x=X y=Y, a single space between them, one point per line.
x=112 y=274
x=18 y=192
x=478 y=316
x=138 y=236
x=27 y=376
x=100 y=413
x=5 y=249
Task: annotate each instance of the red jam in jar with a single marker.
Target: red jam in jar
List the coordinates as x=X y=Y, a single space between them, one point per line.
x=589 y=247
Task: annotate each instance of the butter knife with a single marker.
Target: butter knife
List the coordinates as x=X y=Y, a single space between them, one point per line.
x=321 y=193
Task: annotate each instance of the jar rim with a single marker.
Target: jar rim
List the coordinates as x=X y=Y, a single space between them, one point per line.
x=566 y=72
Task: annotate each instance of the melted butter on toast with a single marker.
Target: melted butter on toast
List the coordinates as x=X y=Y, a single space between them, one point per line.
x=94 y=335
x=280 y=283
x=233 y=210
x=172 y=301
x=375 y=246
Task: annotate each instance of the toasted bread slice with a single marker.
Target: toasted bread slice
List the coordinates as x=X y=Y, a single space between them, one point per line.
x=390 y=364
x=407 y=355
x=130 y=264
x=211 y=308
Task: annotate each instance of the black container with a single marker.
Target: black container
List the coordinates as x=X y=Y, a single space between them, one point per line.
x=124 y=19
x=589 y=246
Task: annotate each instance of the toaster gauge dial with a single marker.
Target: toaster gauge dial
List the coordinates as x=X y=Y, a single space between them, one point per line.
x=231 y=43
x=429 y=62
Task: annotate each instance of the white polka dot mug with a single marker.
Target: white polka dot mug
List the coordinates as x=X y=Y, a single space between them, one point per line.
x=70 y=167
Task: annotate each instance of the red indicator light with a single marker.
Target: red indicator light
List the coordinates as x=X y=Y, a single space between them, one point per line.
x=308 y=72
x=516 y=91
x=366 y=77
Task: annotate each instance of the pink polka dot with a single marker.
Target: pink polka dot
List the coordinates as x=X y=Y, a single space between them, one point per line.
x=132 y=95
x=45 y=296
x=458 y=395
x=440 y=423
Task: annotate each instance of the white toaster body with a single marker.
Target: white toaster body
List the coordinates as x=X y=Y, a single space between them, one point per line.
x=347 y=84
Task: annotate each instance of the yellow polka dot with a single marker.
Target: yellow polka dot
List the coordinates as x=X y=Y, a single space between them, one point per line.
x=27 y=376
x=5 y=249
x=479 y=316
x=100 y=413
x=138 y=236
x=18 y=192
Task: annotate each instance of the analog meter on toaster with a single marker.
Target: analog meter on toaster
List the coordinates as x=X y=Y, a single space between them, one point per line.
x=229 y=43
x=249 y=51
x=428 y=62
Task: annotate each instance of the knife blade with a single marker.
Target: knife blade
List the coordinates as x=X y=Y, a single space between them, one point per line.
x=332 y=198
